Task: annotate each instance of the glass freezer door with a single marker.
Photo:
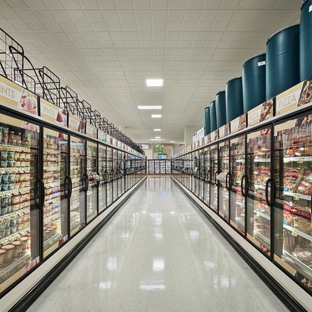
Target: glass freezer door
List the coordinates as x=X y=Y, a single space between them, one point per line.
x=207 y=176
x=103 y=178
x=20 y=203
x=93 y=180
x=110 y=174
x=292 y=208
x=56 y=183
x=238 y=177
x=214 y=167
x=259 y=189
x=223 y=178
x=79 y=184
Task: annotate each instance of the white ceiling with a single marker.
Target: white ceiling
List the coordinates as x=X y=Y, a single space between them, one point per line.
x=105 y=49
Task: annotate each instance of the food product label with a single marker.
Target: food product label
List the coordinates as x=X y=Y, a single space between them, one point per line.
x=260 y=113
x=297 y=211
x=238 y=124
x=215 y=135
x=289 y=100
x=14 y=95
x=221 y=132
x=234 y=125
x=91 y=131
x=76 y=124
x=55 y=114
x=102 y=135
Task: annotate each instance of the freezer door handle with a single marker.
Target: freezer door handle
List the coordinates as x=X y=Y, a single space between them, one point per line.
x=70 y=186
x=87 y=182
x=244 y=182
x=42 y=194
x=268 y=182
x=37 y=194
x=216 y=182
x=227 y=181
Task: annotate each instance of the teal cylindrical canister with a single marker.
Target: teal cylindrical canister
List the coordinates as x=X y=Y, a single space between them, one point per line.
x=253 y=82
x=220 y=109
x=282 y=61
x=213 y=117
x=207 y=121
x=233 y=99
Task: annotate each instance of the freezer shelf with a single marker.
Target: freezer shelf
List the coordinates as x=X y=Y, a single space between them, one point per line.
x=297 y=232
x=299 y=266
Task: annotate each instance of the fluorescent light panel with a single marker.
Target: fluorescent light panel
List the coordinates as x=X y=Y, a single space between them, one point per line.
x=154 y=82
x=156 y=116
x=157 y=129
x=157 y=137
x=150 y=107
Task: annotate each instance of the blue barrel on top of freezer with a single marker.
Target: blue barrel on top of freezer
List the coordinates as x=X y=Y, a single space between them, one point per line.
x=306 y=40
x=233 y=98
x=213 y=118
x=282 y=61
x=253 y=82
x=207 y=121
x=220 y=109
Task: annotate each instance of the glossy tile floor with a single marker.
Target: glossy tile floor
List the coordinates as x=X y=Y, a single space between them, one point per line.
x=158 y=253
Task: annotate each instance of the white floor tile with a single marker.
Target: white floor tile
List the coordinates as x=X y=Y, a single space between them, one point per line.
x=158 y=253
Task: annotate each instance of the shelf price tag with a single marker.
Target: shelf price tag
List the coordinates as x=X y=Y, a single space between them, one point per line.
x=296 y=196
x=294 y=233
x=300 y=160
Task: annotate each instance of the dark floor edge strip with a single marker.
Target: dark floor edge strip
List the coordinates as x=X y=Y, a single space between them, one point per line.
x=24 y=303
x=290 y=302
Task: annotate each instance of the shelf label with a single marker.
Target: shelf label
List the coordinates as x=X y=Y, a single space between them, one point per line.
x=14 y=95
x=260 y=113
x=294 y=233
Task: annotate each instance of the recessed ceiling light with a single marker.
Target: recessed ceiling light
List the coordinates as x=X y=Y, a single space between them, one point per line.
x=154 y=82
x=156 y=116
x=150 y=107
x=157 y=129
x=157 y=137
x=172 y=141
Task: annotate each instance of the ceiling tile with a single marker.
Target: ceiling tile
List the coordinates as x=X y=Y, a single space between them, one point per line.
x=89 y=4
x=192 y=15
x=144 y=26
x=113 y=26
x=45 y=16
x=94 y=15
x=77 y=15
x=124 y=4
x=142 y=4
x=143 y=15
x=61 y=16
x=98 y=26
x=54 y=5
x=83 y=26
x=68 y=26
x=71 y=4
x=53 y=27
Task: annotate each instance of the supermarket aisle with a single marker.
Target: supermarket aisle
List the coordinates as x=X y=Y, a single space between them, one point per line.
x=158 y=253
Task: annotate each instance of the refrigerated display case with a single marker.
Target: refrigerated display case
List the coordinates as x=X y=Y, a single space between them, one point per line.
x=56 y=190
x=103 y=178
x=21 y=201
x=238 y=183
x=93 y=180
x=207 y=177
x=292 y=207
x=214 y=167
x=224 y=180
x=79 y=180
x=259 y=201
x=120 y=174
x=110 y=176
x=114 y=175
